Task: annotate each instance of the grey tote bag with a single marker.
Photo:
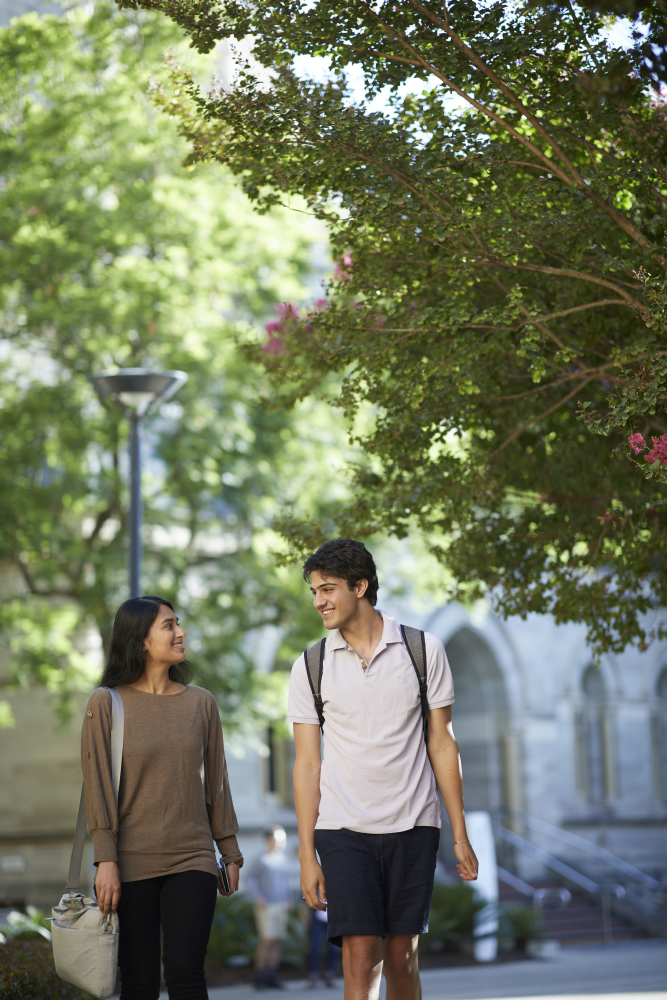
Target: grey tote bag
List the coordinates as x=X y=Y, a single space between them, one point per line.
x=85 y=941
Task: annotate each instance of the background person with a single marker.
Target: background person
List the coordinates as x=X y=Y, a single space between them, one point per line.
x=154 y=851
x=370 y=808
x=317 y=932
x=268 y=881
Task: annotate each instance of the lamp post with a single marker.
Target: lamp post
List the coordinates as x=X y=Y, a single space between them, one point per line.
x=137 y=392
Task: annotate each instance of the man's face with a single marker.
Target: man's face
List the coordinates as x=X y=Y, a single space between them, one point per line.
x=277 y=843
x=334 y=600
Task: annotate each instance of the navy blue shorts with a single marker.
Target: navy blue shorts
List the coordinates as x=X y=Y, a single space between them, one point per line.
x=378 y=883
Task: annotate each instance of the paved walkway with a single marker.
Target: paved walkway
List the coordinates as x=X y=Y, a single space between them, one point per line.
x=622 y=971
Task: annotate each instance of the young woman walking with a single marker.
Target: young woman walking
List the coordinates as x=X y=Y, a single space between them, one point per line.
x=154 y=851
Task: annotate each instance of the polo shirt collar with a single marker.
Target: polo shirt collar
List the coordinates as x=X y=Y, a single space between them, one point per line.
x=390 y=633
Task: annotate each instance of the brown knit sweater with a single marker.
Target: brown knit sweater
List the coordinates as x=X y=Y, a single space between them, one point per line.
x=174 y=797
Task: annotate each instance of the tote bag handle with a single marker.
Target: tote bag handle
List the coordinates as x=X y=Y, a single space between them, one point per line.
x=117 y=732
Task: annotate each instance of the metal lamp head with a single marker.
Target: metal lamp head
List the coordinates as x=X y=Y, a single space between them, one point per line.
x=138 y=391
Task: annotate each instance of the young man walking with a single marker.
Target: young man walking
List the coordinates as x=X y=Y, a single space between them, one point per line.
x=370 y=807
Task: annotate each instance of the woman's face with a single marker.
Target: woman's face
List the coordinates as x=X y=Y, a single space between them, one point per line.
x=164 y=642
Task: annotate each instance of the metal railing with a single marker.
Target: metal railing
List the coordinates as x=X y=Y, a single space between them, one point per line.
x=548 y=860
x=587 y=846
x=642 y=898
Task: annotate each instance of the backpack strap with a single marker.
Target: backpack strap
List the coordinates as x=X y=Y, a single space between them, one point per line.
x=415 y=643
x=314 y=660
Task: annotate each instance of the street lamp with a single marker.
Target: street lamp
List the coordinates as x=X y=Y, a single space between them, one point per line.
x=138 y=392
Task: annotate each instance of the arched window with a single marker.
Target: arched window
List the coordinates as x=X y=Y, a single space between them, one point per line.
x=659 y=739
x=595 y=747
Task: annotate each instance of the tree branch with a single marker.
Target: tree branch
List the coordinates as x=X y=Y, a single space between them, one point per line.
x=593 y=372
x=575 y=179
x=569 y=273
x=553 y=167
x=575 y=309
x=540 y=416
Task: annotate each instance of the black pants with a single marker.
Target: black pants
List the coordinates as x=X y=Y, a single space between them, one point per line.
x=183 y=906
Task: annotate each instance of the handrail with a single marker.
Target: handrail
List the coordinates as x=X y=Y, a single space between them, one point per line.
x=574 y=840
x=547 y=859
x=517 y=883
x=563 y=895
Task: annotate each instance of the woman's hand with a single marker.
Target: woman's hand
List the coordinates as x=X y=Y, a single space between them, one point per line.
x=233 y=874
x=467 y=862
x=107 y=886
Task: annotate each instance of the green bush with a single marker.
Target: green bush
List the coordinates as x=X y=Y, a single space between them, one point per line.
x=25 y=927
x=521 y=924
x=234 y=933
x=27 y=973
x=451 y=919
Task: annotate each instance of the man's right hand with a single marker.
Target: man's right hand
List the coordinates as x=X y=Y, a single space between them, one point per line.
x=312 y=879
x=107 y=886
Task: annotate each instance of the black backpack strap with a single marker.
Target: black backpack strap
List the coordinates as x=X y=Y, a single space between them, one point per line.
x=415 y=643
x=314 y=659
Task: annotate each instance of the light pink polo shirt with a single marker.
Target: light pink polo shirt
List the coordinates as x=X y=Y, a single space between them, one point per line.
x=376 y=776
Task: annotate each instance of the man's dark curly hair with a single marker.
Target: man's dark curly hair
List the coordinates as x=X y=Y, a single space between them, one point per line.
x=348 y=560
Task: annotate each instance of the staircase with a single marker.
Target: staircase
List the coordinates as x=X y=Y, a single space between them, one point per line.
x=578 y=922
x=605 y=897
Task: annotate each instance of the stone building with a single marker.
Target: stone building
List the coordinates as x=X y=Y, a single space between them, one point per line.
x=542 y=732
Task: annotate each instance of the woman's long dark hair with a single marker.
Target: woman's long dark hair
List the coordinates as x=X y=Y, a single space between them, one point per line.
x=127 y=658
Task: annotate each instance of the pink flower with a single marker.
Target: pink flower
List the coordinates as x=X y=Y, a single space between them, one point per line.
x=341 y=273
x=637 y=443
x=659 y=451
x=321 y=303
x=274 y=345
x=287 y=311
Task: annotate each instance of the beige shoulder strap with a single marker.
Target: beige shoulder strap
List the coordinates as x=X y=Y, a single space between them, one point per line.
x=117 y=733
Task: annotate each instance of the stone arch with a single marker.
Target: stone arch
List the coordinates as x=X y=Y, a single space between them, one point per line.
x=659 y=736
x=480 y=719
x=594 y=730
x=580 y=667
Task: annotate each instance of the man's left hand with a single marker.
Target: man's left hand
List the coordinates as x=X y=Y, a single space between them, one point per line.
x=467 y=862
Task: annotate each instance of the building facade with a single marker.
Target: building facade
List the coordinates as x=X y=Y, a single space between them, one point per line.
x=542 y=732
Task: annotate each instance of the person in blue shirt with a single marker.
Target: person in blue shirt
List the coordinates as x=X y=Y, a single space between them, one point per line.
x=268 y=883
x=317 y=933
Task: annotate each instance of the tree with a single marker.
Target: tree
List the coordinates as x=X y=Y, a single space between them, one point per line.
x=648 y=19
x=112 y=254
x=501 y=292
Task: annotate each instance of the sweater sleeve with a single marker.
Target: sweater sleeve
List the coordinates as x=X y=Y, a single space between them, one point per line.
x=101 y=808
x=224 y=824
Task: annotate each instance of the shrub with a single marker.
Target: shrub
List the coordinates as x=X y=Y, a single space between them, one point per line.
x=27 y=973
x=233 y=931
x=451 y=919
x=522 y=924
x=25 y=927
